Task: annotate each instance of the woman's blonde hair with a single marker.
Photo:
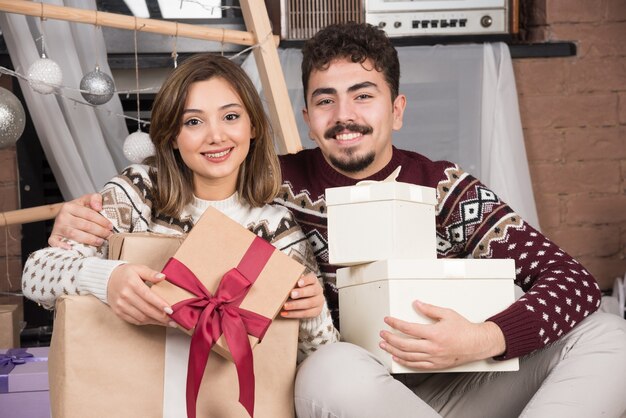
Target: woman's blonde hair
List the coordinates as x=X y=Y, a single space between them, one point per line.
x=259 y=177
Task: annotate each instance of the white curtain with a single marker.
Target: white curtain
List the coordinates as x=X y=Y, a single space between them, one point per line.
x=83 y=144
x=461 y=107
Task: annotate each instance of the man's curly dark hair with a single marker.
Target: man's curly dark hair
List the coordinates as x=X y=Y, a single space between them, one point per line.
x=356 y=42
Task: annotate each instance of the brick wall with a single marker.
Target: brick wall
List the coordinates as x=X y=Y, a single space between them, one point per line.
x=10 y=238
x=573 y=113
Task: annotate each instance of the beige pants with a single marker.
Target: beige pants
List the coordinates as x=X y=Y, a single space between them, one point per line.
x=581 y=375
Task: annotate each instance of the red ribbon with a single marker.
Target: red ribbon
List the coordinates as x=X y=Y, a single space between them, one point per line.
x=212 y=315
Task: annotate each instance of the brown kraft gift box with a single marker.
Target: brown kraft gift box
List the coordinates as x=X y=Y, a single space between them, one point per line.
x=101 y=365
x=9 y=326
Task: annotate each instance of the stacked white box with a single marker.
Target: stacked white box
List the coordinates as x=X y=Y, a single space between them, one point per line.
x=377 y=221
x=369 y=292
x=385 y=233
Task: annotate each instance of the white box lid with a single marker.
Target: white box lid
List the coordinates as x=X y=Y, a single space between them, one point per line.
x=441 y=269
x=375 y=191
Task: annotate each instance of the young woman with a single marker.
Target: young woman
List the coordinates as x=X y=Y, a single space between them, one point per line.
x=213 y=148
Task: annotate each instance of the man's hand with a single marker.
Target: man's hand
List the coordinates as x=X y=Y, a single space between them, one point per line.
x=306 y=300
x=80 y=221
x=450 y=341
x=132 y=300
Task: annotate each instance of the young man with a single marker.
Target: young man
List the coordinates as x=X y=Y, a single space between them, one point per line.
x=571 y=358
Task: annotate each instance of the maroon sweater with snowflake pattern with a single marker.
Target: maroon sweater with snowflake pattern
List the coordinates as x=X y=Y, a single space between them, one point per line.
x=559 y=292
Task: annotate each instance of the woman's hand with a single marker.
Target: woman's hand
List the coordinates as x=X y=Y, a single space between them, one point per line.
x=132 y=300
x=306 y=300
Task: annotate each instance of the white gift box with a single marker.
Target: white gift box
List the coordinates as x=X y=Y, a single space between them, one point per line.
x=380 y=220
x=476 y=289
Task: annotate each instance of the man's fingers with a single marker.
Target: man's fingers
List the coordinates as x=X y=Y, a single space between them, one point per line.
x=83 y=237
x=56 y=240
x=95 y=201
x=87 y=215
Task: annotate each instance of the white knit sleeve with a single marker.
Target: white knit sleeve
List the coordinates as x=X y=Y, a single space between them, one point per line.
x=318 y=331
x=52 y=272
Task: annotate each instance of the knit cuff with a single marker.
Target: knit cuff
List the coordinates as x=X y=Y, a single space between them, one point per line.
x=311 y=326
x=520 y=329
x=94 y=276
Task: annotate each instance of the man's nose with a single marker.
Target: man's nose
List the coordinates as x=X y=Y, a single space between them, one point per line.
x=344 y=112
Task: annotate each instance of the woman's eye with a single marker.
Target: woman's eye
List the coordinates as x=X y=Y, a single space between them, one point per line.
x=192 y=122
x=231 y=116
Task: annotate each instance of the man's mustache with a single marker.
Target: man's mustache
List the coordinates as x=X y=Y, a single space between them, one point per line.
x=352 y=127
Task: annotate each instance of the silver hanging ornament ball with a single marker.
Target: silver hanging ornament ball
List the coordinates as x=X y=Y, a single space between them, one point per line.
x=138 y=146
x=44 y=75
x=97 y=87
x=12 y=118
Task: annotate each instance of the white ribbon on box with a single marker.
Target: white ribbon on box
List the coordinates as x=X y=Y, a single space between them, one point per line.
x=377 y=190
x=177 y=345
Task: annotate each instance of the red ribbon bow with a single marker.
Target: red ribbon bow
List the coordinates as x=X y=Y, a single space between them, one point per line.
x=212 y=315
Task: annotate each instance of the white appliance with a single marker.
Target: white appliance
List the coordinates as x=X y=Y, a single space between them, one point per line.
x=440 y=17
x=298 y=19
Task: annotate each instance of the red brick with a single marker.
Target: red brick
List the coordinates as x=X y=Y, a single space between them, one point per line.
x=8 y=198
x=6 y=83
x=602 y=75
x=13 y=237
x=583 y=144
x=616 y=10
x=548 y=210
x=622 y=108
x=574 y=11
x=8 y=166
x=604 y=269
x=12 y=283
x=540 y=76
x=592 y=209
x=594 y=40
x=598 y=241
x=568 y=111
x=623 y=171
x=579 y=177
x=536 y=12
x=544 y=144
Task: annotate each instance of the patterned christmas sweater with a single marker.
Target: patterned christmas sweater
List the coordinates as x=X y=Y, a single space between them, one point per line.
x=471 y=221
x=127 y=203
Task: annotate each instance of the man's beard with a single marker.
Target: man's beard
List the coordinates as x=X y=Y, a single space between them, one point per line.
x=351 y=165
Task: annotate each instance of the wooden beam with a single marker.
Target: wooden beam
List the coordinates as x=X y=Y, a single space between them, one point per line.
x=266 y=56
x=274 y=86
x=118 y=21
x=35 y=214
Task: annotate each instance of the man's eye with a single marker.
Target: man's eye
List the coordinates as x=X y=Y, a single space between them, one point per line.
x=324 y=102
x=192 y=122
x=363 y=96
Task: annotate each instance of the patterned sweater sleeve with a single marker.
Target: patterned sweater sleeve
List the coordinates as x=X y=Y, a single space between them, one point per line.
x=318 y=331
x=559 y=292
x=52 y=272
